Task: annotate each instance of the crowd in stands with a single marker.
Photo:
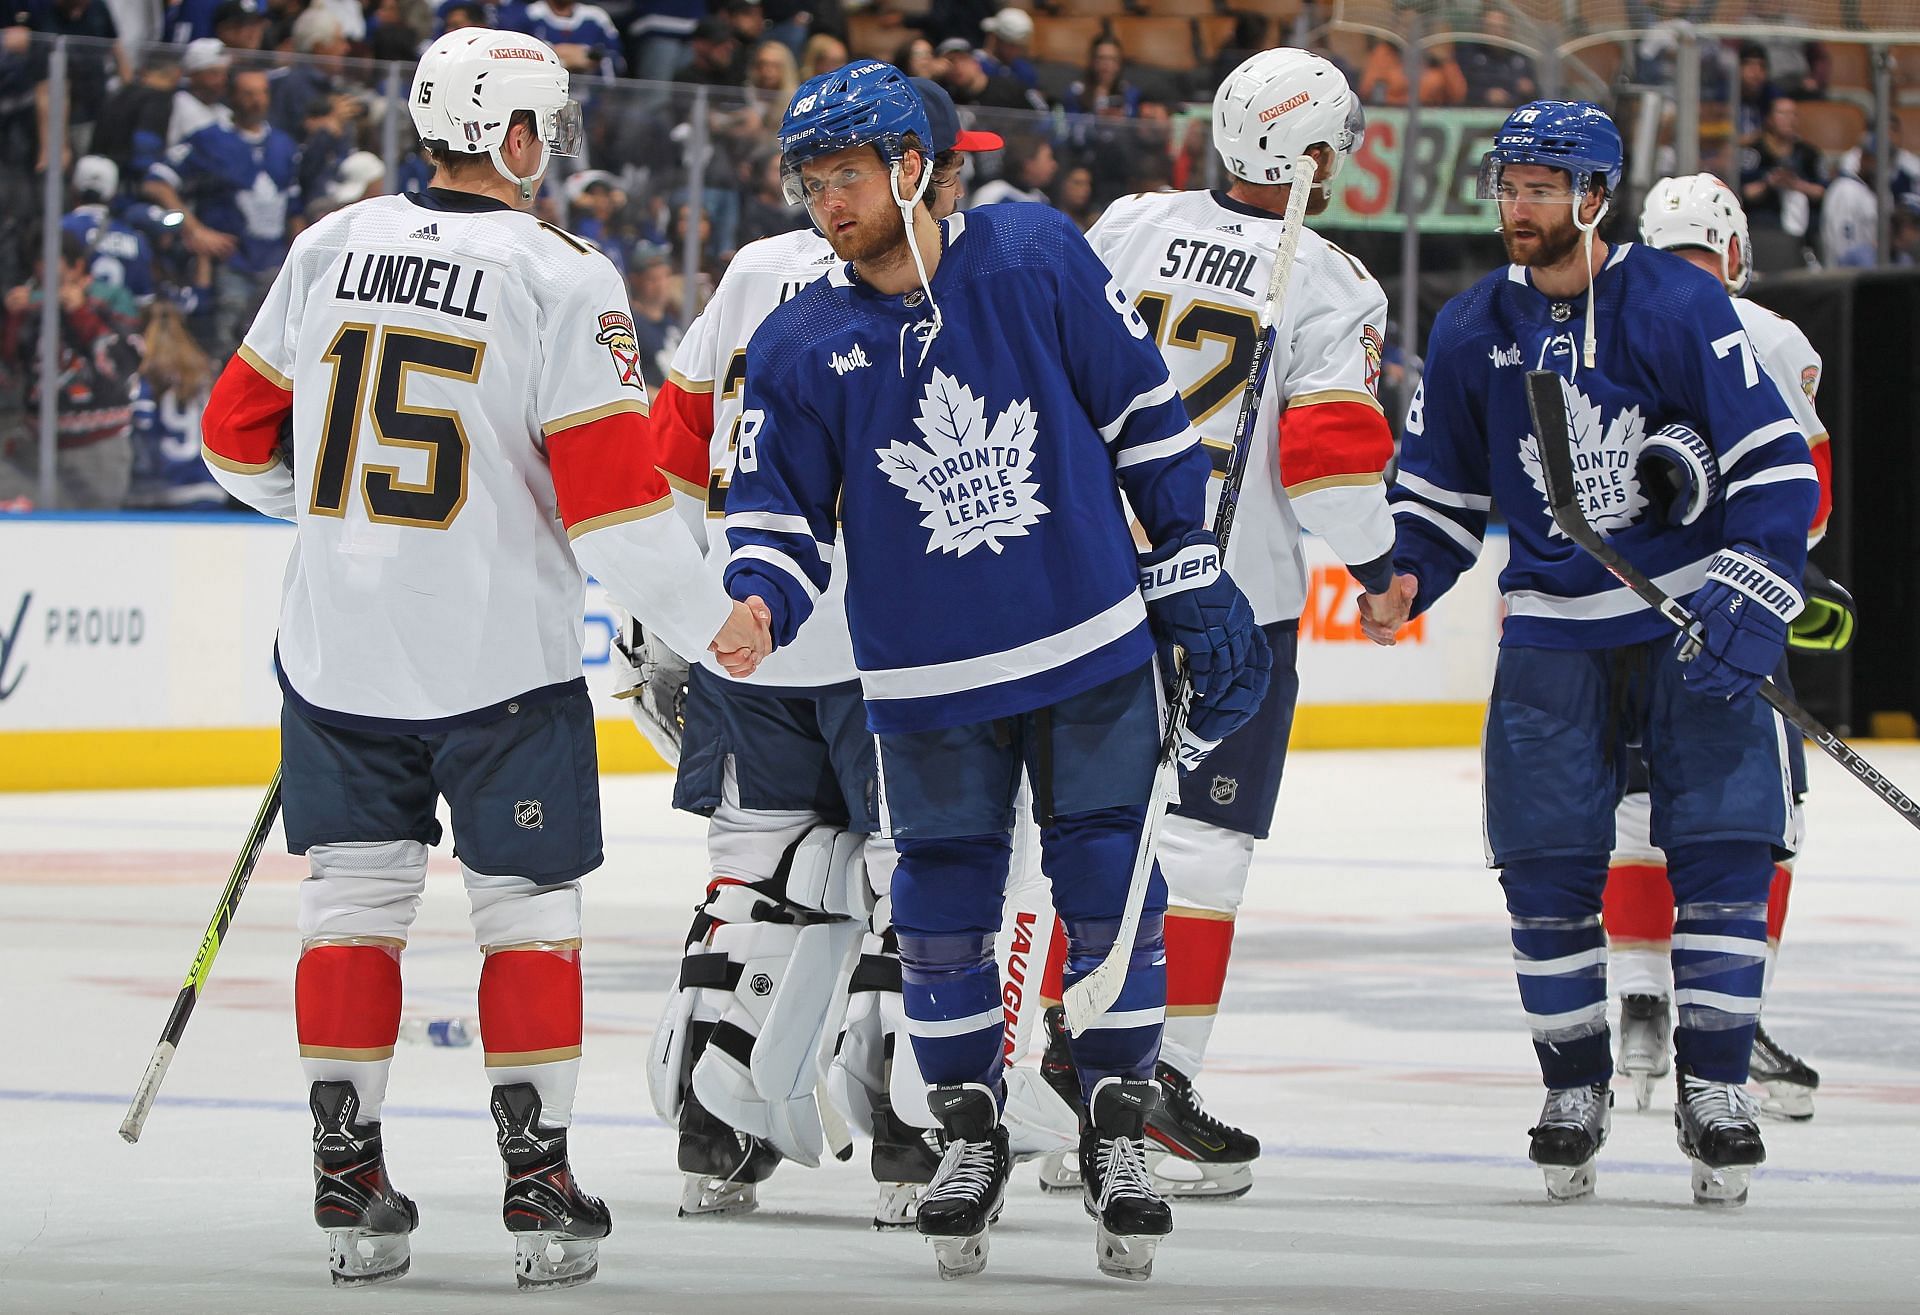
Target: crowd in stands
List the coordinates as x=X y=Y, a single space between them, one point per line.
x=195 y=151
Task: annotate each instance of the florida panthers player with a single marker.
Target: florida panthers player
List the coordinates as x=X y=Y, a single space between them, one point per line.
x=463 y=429
x=1699 y=218
x=1195 y=265
x=1662 y=384
x=782 y=764
x=966 y=399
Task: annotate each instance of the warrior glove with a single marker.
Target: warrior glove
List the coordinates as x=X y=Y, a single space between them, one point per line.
x=1741 y=615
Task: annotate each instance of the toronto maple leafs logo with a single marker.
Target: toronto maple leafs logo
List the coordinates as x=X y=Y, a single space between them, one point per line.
x=1604 y=461
x=975 y=484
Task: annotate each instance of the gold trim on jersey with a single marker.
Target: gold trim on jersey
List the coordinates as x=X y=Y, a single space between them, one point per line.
x=592 y=414
x=1192 y=1011
x=1307 y=486
x=237 y=467
x=566 y=237
x=394 y=943
x=686 y=486
x=550 y=947
x=528 y=1058
x=1815 y=440
x=265 y=371
x=1336 y=395
x=1206 y=915
x=687 y=385
x=620 y=517
x=354 y=1054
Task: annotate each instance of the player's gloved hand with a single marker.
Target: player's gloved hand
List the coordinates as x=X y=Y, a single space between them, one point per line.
x=1827 y=624
x=1229 y=708
x=1741 y=615
x=1680 y=473
x=1193 y=604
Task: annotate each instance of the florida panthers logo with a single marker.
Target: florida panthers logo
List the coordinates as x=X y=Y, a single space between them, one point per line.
x=1604 y=458
x=617 y=336
x=974 y=484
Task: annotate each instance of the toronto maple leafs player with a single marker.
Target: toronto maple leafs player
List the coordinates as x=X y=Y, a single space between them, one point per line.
x=1196 y=265
x=1663 y=387
x=1699 y=218
x=967 y=398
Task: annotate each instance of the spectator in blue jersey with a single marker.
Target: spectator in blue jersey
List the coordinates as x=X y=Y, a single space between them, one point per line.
x=240 y=24
x=662 y=32
x=240 y=182
x=121 y=253
x=594 y=201
x=202 y=97
x=1029 y=166
x=582 y=36
x=91 y=66
x=1004 y=41
x=169 y=472
x=311 y=87
x=1496 y=74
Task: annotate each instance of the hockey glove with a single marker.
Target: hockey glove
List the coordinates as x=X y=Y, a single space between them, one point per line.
x=1680 y=473
x=654 y=678
x=1230 y=708
x=1740 y=622
x=1194 y=605
x=1827 y=624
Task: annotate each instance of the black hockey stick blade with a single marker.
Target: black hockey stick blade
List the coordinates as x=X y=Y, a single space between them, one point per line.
x=1547 y=403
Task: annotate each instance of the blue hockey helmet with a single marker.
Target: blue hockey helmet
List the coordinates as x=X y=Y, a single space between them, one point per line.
x=1574 y=135
x=865 y=103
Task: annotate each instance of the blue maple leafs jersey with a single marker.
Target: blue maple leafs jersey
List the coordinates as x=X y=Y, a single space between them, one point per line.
x=1670 y=350
x=976 y=472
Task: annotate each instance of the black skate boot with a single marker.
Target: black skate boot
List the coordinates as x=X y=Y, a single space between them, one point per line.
x=1060 y=1170
x=1786 y=1078
x=1715 y=1125
x=905 y=1158
x=967 y=1190
x=367 y=1222
x=556 y=1227
x=722 y=1164
x=1573 y=1127
x=1191 y=1153
x=1646 y=1049
x=1119 y=1194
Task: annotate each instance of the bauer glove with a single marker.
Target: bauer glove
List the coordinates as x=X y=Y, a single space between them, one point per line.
x=1194 y=605
x=1229 y=708
x=1740 y=623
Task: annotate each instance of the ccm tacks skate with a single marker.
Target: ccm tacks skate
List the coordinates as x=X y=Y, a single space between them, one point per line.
x=556 y=1227
x=1192 y=1154
x=967 y=1190
x=723 y=1165
x=904 y=1161
x=1786 y=1078
x=1715 y=1125
x=1646 y=1052
x=1060 y=1170
x=367 y=1222
x=1573 y=1127
x=1131 y=1217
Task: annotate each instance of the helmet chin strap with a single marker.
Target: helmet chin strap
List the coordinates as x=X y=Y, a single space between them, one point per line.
x=529 y=185
x=907 y=204
x=1586 y=250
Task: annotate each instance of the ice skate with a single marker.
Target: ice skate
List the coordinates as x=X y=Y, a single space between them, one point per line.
x=1192 y=1154
x=1787 y=1080
x=1060 y=1170
x=904 y=1161
x=967 y=1190
x=556 y=1227
x=1129 y=1215
x=1716 y=1128
x=1646 y=1052
x=367 y=1221
x=723 y=1166
x=1573 y=1127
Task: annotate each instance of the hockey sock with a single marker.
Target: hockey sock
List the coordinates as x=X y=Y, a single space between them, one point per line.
x=1719 y=953
x=1052 y=988
x=946 y=912
x=1637 y=911
x=346 y=999
x=1560 y=959
x=1199 y=942
x=530 y=1021
x=1777 y=895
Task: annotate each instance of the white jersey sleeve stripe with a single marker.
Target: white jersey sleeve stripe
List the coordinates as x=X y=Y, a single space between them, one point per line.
x=1452 y=529
x=1775 y=475
x=1166 y=447
x=1445 y=497
x=1759 y=438
x=1152 y=397
x=774 y=557
x=777 y=523
x=1615 y=602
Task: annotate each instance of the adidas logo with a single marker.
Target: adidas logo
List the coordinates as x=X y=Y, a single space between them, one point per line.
x=431 y=233
x=1230 y=228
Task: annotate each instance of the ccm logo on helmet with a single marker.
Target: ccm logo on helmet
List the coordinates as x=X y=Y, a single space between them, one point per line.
x=518 y=52
x=1292 y=102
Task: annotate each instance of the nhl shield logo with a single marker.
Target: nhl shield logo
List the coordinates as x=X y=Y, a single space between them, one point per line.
x=1224 y=790
x=527 y=815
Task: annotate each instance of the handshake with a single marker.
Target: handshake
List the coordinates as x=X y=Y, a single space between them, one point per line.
x=746 y=639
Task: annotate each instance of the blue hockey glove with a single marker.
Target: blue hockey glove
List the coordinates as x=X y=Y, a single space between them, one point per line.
x=1193 y=604
x=1680 y=473
x=1741 y=616
x=1230 y=708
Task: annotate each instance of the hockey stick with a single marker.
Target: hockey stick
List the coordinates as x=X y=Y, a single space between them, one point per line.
x=1548 y=404
x=1090 y=997
x=189 y=996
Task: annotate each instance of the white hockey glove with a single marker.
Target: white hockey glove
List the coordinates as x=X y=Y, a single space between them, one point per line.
x=653 y=679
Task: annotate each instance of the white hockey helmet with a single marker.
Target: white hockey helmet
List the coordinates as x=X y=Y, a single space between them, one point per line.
x=1698 y=210
x=1277 y=104
x=471 y=82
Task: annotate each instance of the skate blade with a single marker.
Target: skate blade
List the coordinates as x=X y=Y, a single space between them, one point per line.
x=1643 y=1085
x=1723 y=1188
x=1191 y=1180
x=1125 y=1257
x=898 y=1206
x=712 y=1197
x=549 y=1261
x=1787 y=1100
x=960 y=1257
x=1060 y=1172
x=358 y=1258
x=1569 y=1182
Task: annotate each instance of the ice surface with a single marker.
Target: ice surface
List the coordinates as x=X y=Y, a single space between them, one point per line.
x=1371 y=1035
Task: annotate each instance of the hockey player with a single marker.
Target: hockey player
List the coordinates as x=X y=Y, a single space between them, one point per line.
x=961 y=396
x=1699 y=218
x=1196 y=265
x=783 y=765
x=441 y=393
x=1662 y=386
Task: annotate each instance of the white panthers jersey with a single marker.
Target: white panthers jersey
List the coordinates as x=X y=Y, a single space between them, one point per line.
x=697 y=424
x=1196 y=265
x=1794 y=366
x=459 y=389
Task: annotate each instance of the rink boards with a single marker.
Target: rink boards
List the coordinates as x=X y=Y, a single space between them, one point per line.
x=136 y=651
